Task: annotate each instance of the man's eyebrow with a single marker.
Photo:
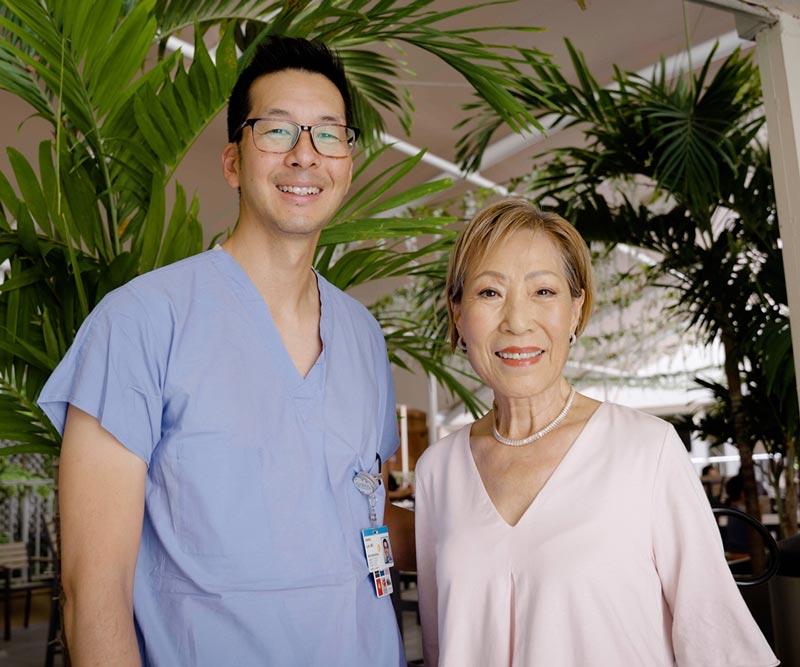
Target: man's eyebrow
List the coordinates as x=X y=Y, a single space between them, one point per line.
x=277 y=112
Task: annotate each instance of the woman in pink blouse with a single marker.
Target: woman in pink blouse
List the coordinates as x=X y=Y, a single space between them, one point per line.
x=557 y=531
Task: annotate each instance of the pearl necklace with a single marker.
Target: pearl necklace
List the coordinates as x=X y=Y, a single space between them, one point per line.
x=539 y=434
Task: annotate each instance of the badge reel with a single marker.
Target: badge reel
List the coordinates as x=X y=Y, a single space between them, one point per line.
x=377 y=546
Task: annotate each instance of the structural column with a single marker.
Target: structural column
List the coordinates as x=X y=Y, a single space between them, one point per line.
x=778 y=53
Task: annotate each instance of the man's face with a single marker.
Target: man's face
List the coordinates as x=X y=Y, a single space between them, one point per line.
x=294 y=193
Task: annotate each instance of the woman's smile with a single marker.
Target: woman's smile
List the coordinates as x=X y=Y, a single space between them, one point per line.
x=519 y=356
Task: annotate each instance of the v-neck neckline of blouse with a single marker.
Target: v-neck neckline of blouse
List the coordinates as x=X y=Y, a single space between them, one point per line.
x=565 y=460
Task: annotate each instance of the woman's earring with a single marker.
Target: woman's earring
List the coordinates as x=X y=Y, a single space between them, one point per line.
x=460 y=344
x=572 y=339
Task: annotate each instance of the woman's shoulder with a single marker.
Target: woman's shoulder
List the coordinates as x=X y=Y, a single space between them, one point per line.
x=442 y=451
x=626 y=430
x=615 y=415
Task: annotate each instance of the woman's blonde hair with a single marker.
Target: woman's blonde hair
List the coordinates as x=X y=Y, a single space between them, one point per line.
x=497 y=222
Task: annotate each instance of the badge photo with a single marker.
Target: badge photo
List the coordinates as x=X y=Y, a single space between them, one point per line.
x=378 y=548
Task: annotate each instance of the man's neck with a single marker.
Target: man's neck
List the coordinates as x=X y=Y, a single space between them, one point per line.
x=279 y=267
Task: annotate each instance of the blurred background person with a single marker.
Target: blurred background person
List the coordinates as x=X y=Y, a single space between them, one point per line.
x=712 y=483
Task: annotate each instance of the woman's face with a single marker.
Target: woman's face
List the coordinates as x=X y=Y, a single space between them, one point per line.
x=516 y=315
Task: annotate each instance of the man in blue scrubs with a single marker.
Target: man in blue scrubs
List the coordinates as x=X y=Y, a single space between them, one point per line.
x=215 y=413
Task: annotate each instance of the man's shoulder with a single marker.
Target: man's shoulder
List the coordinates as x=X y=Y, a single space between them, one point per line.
x=173 y=277
x=165 y=285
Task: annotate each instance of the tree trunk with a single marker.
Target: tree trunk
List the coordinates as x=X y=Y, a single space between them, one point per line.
x=745 y=447
x=789 y=515
x=740 y=430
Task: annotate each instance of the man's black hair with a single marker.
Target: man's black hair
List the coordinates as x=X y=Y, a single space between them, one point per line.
x=277 y=54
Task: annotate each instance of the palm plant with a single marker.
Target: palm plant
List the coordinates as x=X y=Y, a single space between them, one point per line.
x=676 y=167
x=92 y=213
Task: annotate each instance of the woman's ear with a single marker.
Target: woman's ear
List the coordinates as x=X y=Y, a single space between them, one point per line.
x=577 y=305
x=456 y=308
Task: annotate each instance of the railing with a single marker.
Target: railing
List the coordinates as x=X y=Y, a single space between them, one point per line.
x=25 y=508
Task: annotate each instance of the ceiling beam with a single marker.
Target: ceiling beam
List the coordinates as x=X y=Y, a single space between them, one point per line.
x=751 y=16
x=447 y=167
x=753 y=8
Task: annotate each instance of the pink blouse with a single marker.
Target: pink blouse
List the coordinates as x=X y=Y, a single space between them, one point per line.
x=617 y=562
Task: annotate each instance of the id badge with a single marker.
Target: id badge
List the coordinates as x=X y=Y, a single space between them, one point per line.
x=383 y=583
x=378 y=548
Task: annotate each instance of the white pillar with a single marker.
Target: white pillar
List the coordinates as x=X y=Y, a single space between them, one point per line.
x=778 y=52
x=404 y=441
x=433 y=410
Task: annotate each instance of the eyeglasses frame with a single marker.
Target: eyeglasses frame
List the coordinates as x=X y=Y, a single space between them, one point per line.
x=303 y=128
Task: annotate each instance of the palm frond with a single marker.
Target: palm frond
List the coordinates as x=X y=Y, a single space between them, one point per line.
x=23 y=422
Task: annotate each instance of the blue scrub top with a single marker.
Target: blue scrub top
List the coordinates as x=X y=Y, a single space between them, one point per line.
x=251 y=551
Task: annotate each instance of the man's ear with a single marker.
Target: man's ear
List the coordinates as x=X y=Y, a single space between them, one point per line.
x=230 y=164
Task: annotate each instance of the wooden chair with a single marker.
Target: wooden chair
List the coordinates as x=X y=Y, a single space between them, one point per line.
x=15 y=568
x=401 y=530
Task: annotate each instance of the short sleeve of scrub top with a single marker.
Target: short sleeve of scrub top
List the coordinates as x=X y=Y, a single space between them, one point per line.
x=113 y=372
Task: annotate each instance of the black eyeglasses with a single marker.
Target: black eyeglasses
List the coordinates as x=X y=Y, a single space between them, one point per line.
x=280 y=136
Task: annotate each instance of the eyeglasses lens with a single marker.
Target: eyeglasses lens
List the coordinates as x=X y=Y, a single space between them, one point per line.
x=279 y=136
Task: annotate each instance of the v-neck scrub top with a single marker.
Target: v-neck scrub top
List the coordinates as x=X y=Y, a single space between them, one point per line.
x=617 y=562
x=251 y=551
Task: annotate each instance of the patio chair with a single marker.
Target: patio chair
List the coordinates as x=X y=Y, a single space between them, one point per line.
x=15 y=568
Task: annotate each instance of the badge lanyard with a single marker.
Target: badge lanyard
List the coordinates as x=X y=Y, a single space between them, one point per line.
x=368 y=484
x=377 y=546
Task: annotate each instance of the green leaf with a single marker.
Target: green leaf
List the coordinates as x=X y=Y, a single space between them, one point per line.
x=149 y=243
x=120 y=271
x=184 y=235
x=158 y=137
x=30 y=354
x=29 y=187
x=121 y=57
